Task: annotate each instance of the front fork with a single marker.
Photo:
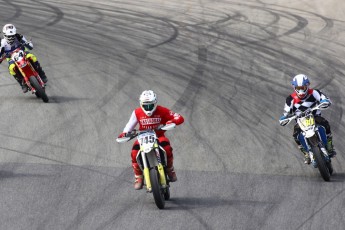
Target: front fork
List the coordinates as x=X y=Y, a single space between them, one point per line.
x=320 y=134
x=160 y=168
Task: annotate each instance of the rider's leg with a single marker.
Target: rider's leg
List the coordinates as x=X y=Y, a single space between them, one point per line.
x=165 y=143
x=138 y=183
x=330 y=148
x=17 y=76
x=296 y=132
x=37 y=66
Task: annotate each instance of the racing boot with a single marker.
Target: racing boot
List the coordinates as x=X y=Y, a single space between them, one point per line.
x=307 y=159
x=20 y=80
x=40 y=72
x=171 y=174
x=170 y=167
x=329 y=147
x=139 y=182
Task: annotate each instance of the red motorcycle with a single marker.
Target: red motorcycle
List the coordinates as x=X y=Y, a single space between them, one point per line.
x=30 y=75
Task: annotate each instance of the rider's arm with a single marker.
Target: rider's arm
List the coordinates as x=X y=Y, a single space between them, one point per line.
x=25 y=42
x=288 y=107
x=321 y=97
x=175 y=118
x=288 y=110
x=2 y=51
x=133 y=121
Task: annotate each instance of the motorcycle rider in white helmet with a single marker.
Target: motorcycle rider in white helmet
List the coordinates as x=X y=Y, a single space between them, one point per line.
x=299 y=101
x=11 y=41
x=150 y=116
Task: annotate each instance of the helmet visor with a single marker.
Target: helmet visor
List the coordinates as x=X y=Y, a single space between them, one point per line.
x=148 y=107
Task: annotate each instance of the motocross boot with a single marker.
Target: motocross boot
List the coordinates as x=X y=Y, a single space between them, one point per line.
x=40 y=72
x=329 y=147
x=171 y=174
x=138 y=183
x=20 y=80
x=307 y=159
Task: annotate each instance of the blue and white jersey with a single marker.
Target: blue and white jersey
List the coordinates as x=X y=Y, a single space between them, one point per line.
x=295 y=105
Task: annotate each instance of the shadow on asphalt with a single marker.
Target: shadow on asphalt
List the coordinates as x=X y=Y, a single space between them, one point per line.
x=338 y=177
x=9 y=174
x=189 y=203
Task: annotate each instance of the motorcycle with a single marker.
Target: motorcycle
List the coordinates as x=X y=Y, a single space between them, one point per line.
x=30 y=75
x=313 y=138
x=152 y=160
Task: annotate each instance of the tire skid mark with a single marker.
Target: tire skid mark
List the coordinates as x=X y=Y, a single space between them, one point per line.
x=18 y=11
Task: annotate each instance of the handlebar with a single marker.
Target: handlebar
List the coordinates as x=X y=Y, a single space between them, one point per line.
x=134 y=133
x=320 y=106
x=8 y=54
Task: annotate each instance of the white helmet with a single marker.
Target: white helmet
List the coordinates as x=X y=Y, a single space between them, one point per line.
x=9 y=31
x=148 y=102
x=301 y=84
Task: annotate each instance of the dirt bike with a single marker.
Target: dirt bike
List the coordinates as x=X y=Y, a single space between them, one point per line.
x=152 y=160
x=313 y=139
x=30 y=76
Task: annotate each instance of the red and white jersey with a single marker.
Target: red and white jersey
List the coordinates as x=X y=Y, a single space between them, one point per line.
x=160 y=117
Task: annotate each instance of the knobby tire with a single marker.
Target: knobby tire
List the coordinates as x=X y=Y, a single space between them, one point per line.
x=40 y=92
x=156 y=189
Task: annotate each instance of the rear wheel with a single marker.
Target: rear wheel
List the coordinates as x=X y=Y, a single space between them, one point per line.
x=156 y=188
x=321 y=163
x=40 y=92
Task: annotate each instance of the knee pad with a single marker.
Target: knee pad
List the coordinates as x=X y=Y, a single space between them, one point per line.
x=32 y=57
x=12 y=68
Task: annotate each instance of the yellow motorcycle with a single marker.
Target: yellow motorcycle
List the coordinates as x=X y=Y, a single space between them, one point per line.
x=152 y=160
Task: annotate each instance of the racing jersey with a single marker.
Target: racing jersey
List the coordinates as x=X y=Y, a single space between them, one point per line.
x=160 y=117
x=7 y=48
x=295 y=105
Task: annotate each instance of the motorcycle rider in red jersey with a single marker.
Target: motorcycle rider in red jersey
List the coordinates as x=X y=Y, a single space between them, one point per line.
x=150 y=116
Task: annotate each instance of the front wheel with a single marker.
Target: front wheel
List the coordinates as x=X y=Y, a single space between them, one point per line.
x=40 y=92
x=167 y=193
x=321 y=163
x=156 y=188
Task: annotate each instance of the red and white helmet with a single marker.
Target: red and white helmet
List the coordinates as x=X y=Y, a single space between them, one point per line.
x=9 y=31
x=148 y=102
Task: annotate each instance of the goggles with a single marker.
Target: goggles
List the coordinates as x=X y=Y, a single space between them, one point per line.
x=304 y=88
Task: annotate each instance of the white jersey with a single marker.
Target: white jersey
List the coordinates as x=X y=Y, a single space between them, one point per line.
x=7 y=48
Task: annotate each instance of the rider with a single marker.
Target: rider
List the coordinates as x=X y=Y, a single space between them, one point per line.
x=302 y=99
x=12 y=40
x=150 y=116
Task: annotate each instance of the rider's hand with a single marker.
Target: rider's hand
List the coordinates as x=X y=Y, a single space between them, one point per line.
x=122 y=135
x=169 y=122
x=325 y=103
x=282 y=121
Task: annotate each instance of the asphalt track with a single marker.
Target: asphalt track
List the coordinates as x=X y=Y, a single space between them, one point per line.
x=225 y=66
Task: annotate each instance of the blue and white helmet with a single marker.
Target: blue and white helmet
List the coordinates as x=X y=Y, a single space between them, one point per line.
x=301 y=84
